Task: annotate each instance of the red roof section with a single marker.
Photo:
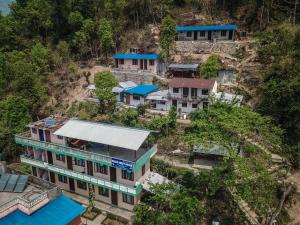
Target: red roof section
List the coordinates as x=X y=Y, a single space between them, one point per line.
x=192 y=83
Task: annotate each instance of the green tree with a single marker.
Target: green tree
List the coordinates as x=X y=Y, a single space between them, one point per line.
x=211 y=67
x=39 y=58
x=106 y=37
x=104 y=82
x=75 y=20
x=167 y=36
x=129 y=117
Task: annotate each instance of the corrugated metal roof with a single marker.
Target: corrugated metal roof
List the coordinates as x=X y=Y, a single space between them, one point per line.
x=118 y=136
x=117 y=89
x=208 y=27
x=192 y=83
x=142 y=89
x=135 y=56
x=158 y=95
x=127 y=84
x=60 y=211
x=183 y=66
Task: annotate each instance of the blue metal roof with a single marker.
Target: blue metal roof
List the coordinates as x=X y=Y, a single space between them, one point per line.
x=142 y=89
x=210 y=27
x=59 y=211
x=135 y=56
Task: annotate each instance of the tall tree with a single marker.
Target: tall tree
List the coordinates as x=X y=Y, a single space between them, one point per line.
x=106 y=37
x=167 y=36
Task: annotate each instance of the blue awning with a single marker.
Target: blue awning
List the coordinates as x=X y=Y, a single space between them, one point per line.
x=59 y=211
x=135 y=56
x=142 y=89
x=206 y=28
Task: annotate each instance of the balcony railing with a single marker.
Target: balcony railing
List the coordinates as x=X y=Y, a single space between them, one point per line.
x=23 y=139
x=84 y=177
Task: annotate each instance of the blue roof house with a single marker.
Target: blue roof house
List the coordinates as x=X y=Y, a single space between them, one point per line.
x=137 y=62
x=137 y=95
x=209 y=32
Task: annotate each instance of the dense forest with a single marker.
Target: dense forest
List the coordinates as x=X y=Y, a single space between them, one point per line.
x=40 y=38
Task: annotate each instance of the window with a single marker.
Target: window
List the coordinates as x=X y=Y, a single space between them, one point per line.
x=33 y=130
x=127 y=175
x=60 y=137
x=103 y=191
x=62 y=179
x=60 y=157
x=189 y=34
x=194 y=92
x=185 y=92
x=143 y=170
x=80 y=162
x=184 y=104
x=223 y=33
x=202 y=33
x=204 y=92
x=81 y=185
x=205 y=105
x=121 y=61
x=134 y=62
x=101 y=168
x=194 y=106
x=162 y=102
x=175 y=90
x=151 y=62
x=128 y=199
x=136 y=97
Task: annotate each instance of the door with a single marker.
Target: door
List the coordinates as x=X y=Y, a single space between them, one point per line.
x=230 y=35
x=127 y=100
x=141 y=64
x=114 y=197
x=174 y=103
x=69 y=163
x=34 y=172
x=52 y=177
x=71 y=184
x=209 y=35
x=117 y=63
x=145 y=64
x=121 y=97
x=89 y=165
x=50 y=159
x=41 y=135
x=195 y=35
x=113 y=173
x=48 y=136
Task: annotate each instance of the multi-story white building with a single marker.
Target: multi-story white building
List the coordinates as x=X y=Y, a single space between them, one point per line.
x=188 y=94
x=81 y=155
x=204 y=33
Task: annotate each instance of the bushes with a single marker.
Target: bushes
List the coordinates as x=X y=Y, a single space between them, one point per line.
x=211 y=67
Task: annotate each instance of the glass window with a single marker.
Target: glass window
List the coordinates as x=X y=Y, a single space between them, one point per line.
x=194 y=106
x=202 y=33
x=103 y=191
x=62 y=179
x=121 y=61
x=60 y=157
x=185 y=92
x=128 y=199
x=184 y=104
x=134 y=62
x=204 y=92
x=127 y=175
x=194 y=92
x=151 y=62
x=136 y=97
x=101 y=168
x=33 y=130
x=189 y=34
x=223 y=33
x=81 y=185
x=175 y=90
x=59 y=137
x=162 y=102
x=80 y=162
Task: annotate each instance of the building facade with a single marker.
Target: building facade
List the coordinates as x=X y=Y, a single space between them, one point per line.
x=81 y=156
x=188 y=94
x=206 y=33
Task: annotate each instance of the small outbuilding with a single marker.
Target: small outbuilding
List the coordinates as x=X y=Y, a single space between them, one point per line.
x=184 y=70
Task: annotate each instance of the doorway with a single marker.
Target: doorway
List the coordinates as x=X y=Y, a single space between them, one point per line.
x=195 y=35
x=69 y=163
x=127 y=100
x=113 y=173
x=71 y=184
x=209 y=35
x=117 y=63
x=89 y=165
x=52 y=177
x=49 y=156
x=114 y=197
x=41 y=135
x=230 y=35
x=48 y=136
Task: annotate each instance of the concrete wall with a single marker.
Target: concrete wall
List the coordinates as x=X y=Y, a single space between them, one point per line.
x=128 y=65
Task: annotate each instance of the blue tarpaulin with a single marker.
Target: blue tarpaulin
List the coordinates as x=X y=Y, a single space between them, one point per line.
x=142 y=89
x=59 y=211
x=135 y=56
x=204 y=28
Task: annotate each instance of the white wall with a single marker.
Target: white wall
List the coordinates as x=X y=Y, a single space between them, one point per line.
x=128 y=65
x=214 y=34
x=135 y=103
x=159 y=106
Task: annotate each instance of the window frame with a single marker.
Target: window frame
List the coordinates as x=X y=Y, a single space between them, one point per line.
x=33 y=130
x=185 y=92
x=202 y=33
x=194 y=92
x=103 y=169
x=184 y=104
x=81 y=185
x=223 y=33
x=62 y=179
x=59 y=137
x=80 y=162
x=103 y=191
x=204 y=92
x=127 y=175
x=194 y=104
x=135 y=62
x=189 y=34
x=151 y=62
x=128 y=199
x=121 y=61
x=177 y=90
x=136 y=97
x=60 y=157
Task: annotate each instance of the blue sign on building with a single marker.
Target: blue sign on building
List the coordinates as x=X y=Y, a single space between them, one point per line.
x=125 y=165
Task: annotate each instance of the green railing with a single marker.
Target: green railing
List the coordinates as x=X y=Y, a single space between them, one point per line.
x=80 y=154
x=84 y=177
